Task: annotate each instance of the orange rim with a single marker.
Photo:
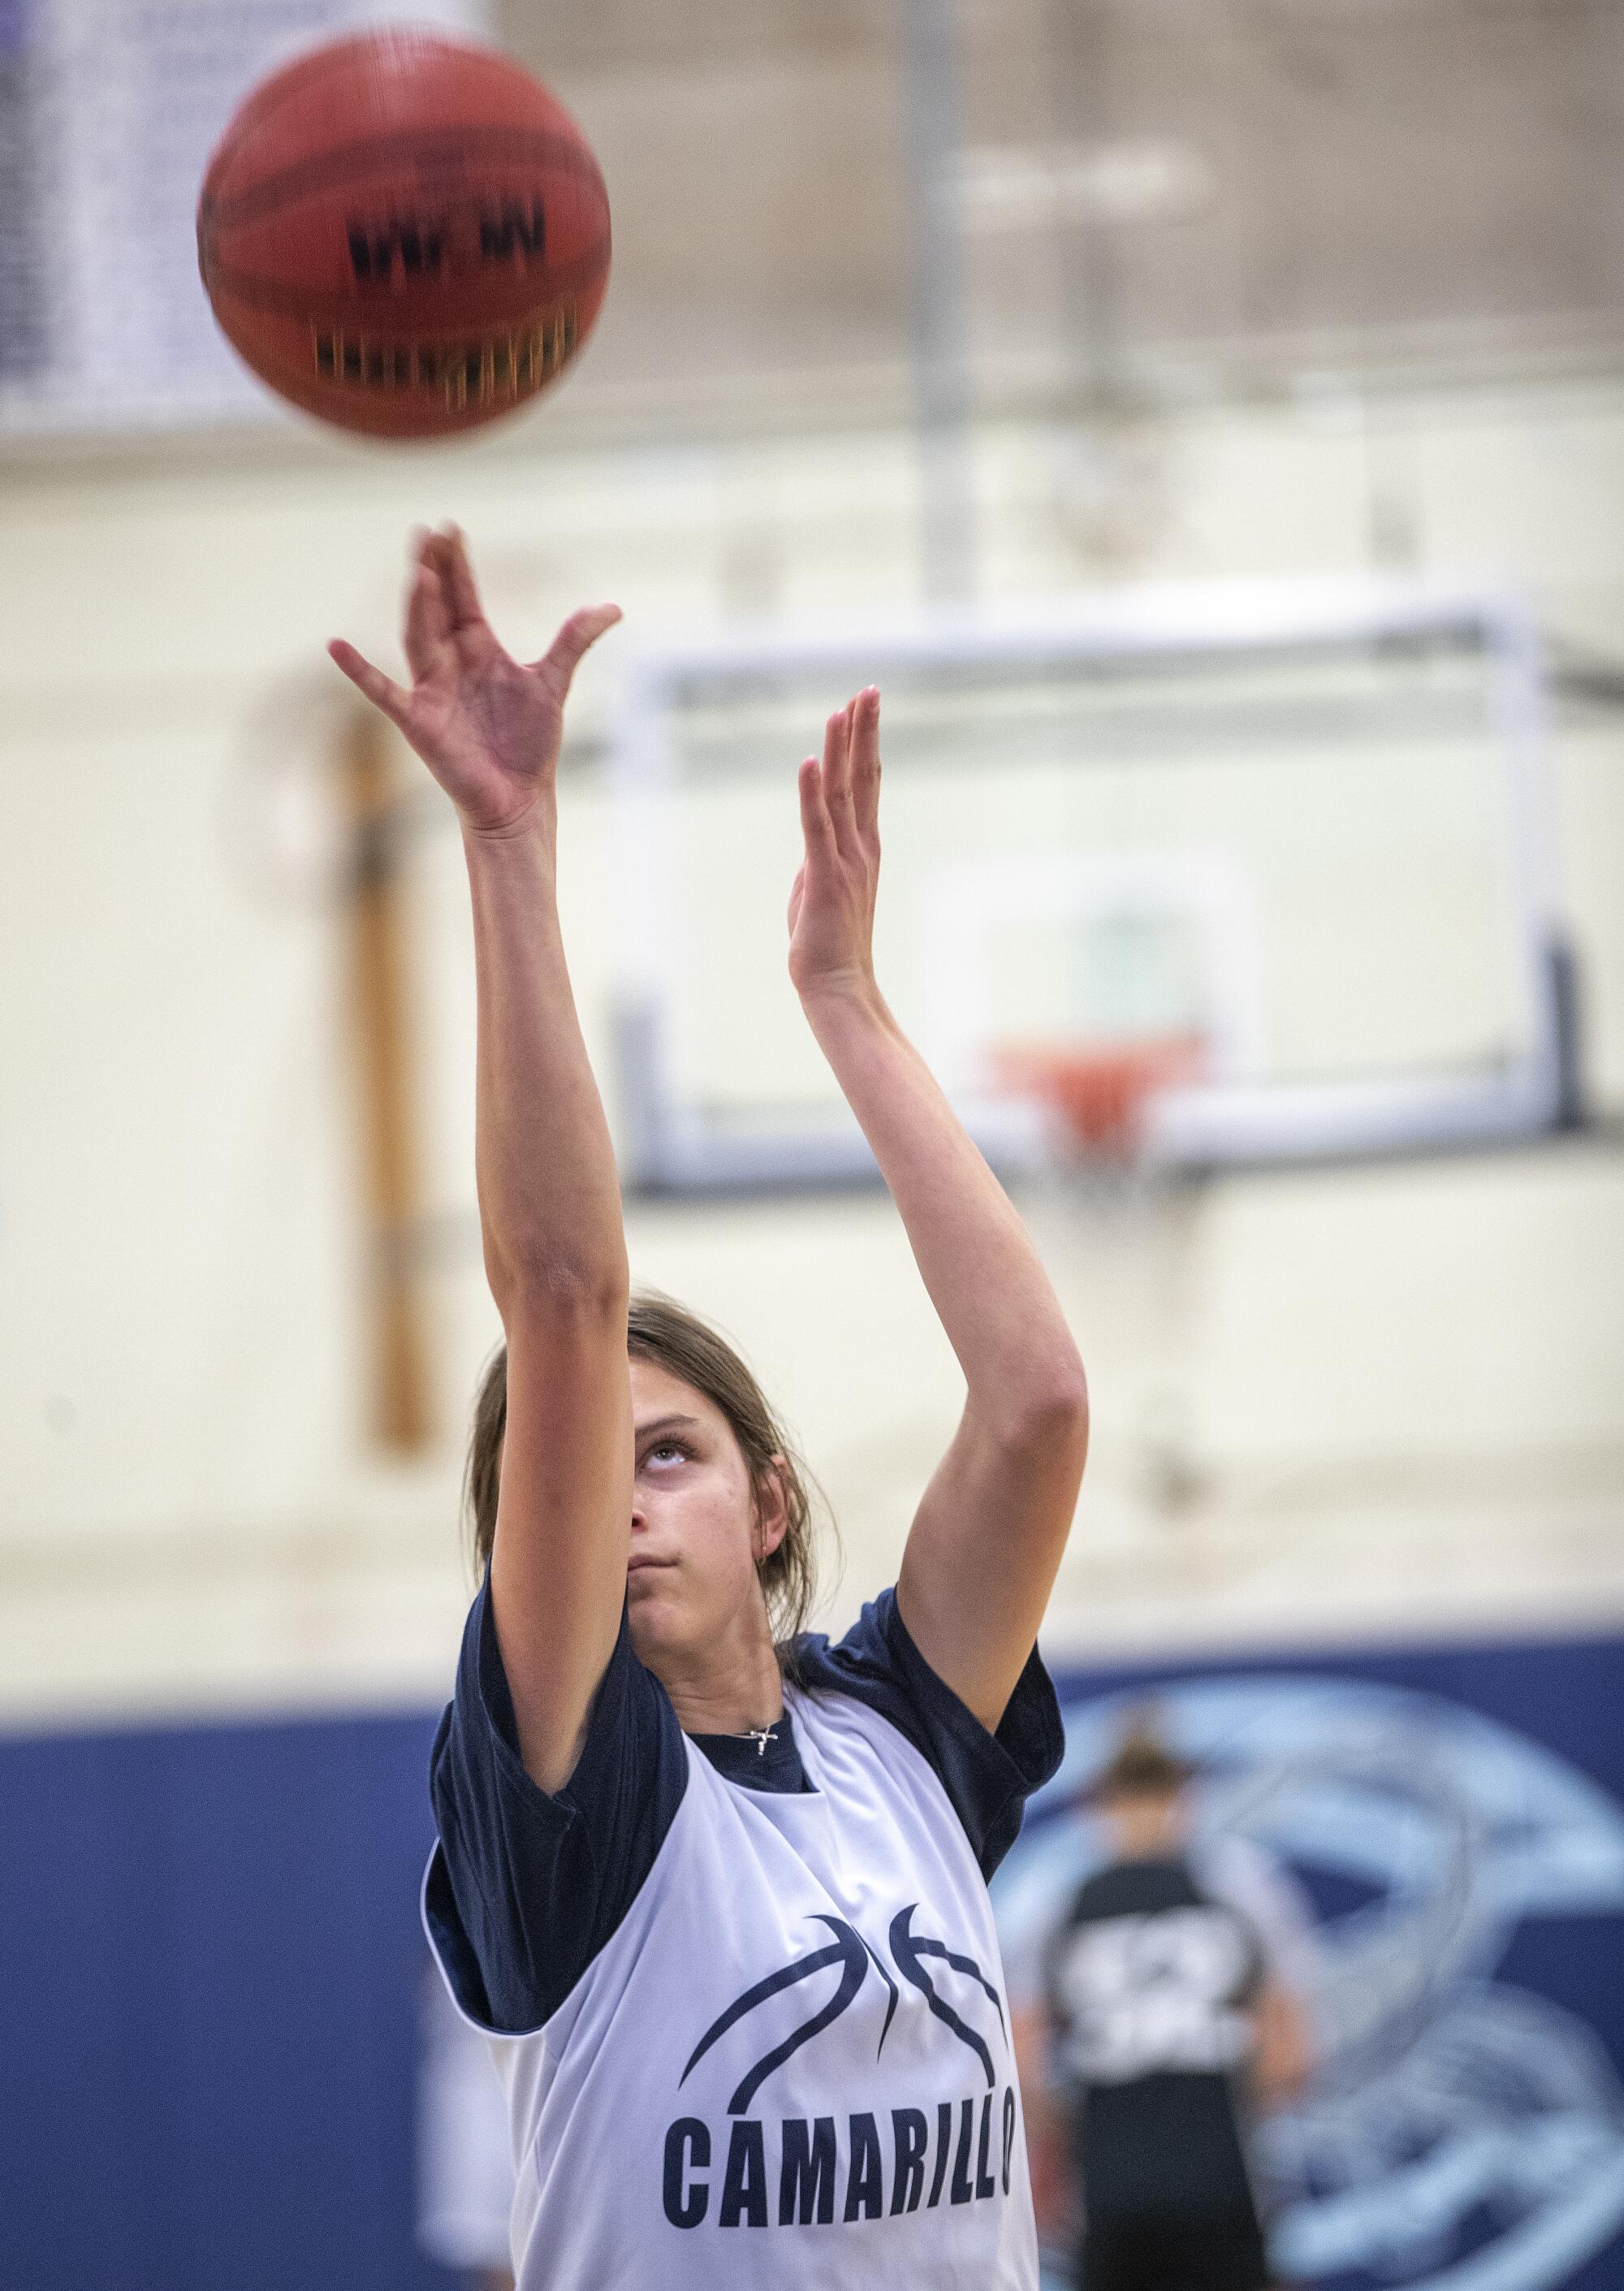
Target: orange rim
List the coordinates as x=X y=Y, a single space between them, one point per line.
x=1099 y=1090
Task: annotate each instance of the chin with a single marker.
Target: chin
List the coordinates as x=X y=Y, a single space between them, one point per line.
x=658 y=1628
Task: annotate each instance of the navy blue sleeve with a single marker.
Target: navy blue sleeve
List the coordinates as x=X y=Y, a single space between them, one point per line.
x=526 y=1886
x=988 y=1777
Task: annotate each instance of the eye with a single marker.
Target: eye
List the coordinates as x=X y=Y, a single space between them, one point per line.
x=667 y=1448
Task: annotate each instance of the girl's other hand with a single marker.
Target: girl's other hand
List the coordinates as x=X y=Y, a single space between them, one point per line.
x=832 y=907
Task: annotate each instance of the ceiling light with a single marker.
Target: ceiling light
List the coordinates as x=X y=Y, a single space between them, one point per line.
x=1129 y=179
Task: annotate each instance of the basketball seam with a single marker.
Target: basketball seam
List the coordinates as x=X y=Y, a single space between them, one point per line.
x=267 y=101
x=313 y=173
x=257 y=110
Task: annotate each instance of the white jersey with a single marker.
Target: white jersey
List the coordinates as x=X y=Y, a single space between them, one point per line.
x=789 y=2063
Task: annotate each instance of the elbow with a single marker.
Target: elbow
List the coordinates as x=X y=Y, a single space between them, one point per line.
x=1056 y=1400
x=538 y=1281
x=1050 y=1410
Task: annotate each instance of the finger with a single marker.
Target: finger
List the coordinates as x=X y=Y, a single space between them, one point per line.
x=435 y=556
x=428 y=624
x=815 y=825
x=865 y=759
x=837 y=770
x=437 y=559
x=457 y=573
x=836 y=729
x=578 y=634
x=378 y=687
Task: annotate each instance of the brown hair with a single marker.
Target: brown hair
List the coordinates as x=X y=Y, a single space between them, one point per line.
x=1142 y=1765
x=660 y=1330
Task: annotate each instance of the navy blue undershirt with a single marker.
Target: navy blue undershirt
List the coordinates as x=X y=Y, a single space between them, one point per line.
x=745 y=1759
x=528 y=1886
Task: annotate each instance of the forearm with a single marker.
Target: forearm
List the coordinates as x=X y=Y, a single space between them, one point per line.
x=983 y=1274
x=549 y=1202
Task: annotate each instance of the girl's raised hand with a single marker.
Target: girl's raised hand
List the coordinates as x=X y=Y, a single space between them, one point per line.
x=488 y=728
x=832 y=907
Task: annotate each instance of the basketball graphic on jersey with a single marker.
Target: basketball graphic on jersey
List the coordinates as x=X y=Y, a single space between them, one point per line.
x=853 y=1955
x=797 y=2171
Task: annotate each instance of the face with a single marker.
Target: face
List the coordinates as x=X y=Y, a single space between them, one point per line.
x=697 y=1532
x=1145 y=1824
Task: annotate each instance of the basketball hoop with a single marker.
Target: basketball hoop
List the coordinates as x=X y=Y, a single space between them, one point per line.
x=1098 y=1091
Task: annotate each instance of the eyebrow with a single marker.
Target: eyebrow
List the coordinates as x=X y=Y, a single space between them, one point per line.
x=666 y=1424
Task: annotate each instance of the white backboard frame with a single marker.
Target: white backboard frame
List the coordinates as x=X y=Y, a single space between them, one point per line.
x=672 y=1148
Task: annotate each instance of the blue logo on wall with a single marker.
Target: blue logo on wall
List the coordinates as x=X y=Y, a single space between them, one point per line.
x=1463 y=2132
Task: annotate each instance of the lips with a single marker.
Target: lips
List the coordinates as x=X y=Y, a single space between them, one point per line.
x=634 y=1565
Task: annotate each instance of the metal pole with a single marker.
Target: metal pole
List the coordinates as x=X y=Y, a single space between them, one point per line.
x=942 y=387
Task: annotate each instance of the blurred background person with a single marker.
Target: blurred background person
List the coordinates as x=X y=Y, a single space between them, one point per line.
x=464 y=2170
x=1170 y=2013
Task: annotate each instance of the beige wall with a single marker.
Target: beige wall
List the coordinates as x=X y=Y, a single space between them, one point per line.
x=1389 y=1399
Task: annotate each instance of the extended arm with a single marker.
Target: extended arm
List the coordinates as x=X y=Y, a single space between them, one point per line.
x=986 y=1540
x=555 y=1254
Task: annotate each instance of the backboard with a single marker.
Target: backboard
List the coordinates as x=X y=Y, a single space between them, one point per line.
x=1304 y=827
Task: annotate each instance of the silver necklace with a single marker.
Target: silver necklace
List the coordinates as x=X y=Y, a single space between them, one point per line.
x=760 y=1736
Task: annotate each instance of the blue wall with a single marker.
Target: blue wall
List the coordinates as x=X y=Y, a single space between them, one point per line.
x=208 y=2017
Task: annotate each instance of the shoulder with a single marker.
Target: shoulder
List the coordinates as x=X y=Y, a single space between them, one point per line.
x=1122 y=1889
x=1266 y=1895
x=529 y=1884
x=1139 y=1890
x=987 y=1777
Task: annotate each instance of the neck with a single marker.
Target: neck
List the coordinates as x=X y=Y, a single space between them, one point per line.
x=732 y=1695
x=1149 y=1832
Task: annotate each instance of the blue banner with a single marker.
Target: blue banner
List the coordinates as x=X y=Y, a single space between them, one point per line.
x=1454 y=1820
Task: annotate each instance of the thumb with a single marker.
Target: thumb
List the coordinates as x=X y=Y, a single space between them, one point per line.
x=573 y=640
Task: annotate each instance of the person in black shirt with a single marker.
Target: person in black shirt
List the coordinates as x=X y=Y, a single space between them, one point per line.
x=1166 y=2022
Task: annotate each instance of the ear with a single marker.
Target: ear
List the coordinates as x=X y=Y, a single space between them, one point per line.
x=772 y=1516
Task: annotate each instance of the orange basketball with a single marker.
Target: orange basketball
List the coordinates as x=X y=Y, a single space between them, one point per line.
x=403 y=234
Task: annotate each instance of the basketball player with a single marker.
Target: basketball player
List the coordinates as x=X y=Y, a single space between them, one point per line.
x=1171 y=2018
x=715 y=1888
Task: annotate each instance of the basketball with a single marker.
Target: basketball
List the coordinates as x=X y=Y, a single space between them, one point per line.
x=403 y=234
